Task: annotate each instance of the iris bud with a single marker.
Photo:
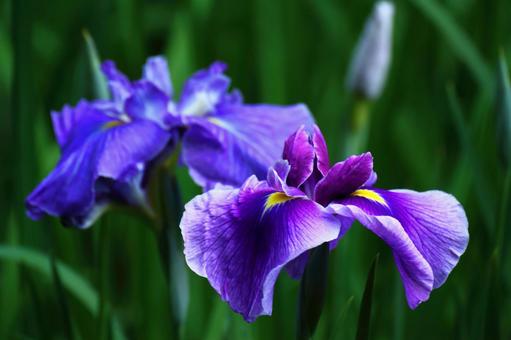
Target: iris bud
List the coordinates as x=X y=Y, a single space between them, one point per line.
x=371 y=60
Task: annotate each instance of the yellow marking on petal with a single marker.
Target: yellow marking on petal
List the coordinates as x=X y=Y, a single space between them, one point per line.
x=111 y=124
x=370 y=195
x=276 y=199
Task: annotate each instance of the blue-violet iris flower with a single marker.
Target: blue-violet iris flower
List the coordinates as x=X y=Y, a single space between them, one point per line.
x=109 y=147
x=241 y=238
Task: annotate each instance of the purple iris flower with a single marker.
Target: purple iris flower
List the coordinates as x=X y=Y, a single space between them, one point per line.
x=240 y=239
x=109 y=147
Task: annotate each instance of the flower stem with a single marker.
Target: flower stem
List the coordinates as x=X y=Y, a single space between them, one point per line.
x=357 y=136
x=312 y=292
x=171 y=250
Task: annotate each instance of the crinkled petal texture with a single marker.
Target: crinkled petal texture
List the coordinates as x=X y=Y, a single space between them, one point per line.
x=239 y=141
x=428 y=232
x=97 y=146
x=241 y=239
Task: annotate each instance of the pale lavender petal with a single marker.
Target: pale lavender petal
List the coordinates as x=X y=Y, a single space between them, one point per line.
x=240 y=241
x=157 y=72
x=147 y=102
x=372 y=180
x=415 y=271
x=277 y=175
x=437 y=225
x=299 y=152
x=344 y=178
x=204 y=90
x=239 y=141
x=434 y=222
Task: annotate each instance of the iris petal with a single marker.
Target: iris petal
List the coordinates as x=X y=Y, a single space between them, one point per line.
x=240 y=244
x=129 y=144
x=299 y=152
x=344 y=178
x=428 y=232
x=321 y=150
x=157 y=72
x=69 y=189
x=147 y=102
x=118 y=83
x=240 y=140
x=204 y=90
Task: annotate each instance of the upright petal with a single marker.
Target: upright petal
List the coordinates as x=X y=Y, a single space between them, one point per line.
x=157 y=72
x=321 y=150
x=239 y=141
x=118 y=83
x=241 y=239
x=204 y=90
x=147 y=102
x=299 y=152
x=344 y=178
x=431 y=227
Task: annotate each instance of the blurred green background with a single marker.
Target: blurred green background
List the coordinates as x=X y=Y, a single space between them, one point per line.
x=433 y=127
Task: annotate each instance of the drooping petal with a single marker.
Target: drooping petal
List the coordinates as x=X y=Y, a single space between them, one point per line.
x=157 y=72
x=204 y=90
x=69 y=189
x=432 y=225
x=147 y=102
x=241 y=239
x=239 y=141
x=129 y=144
x=299 y=152
x=344 y=178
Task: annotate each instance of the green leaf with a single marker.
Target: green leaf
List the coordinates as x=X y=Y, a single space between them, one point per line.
x=171 y=248
x=466 y=140
x=461 y=45
x=364 y=318
x=61 y=296
x=504 y=112
x=73 y=282
x=312 y=292
x=339 y=324
x=100 y=84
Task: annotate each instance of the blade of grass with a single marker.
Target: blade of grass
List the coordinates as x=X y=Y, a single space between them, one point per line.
x=364 y=319
x=504 y=111
x=481 y=186
x=73 y=282
x=99 y=80
x=338 y=326
x=62 y=299
x=312 y=292
x=461 y=45
x=217 y=325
